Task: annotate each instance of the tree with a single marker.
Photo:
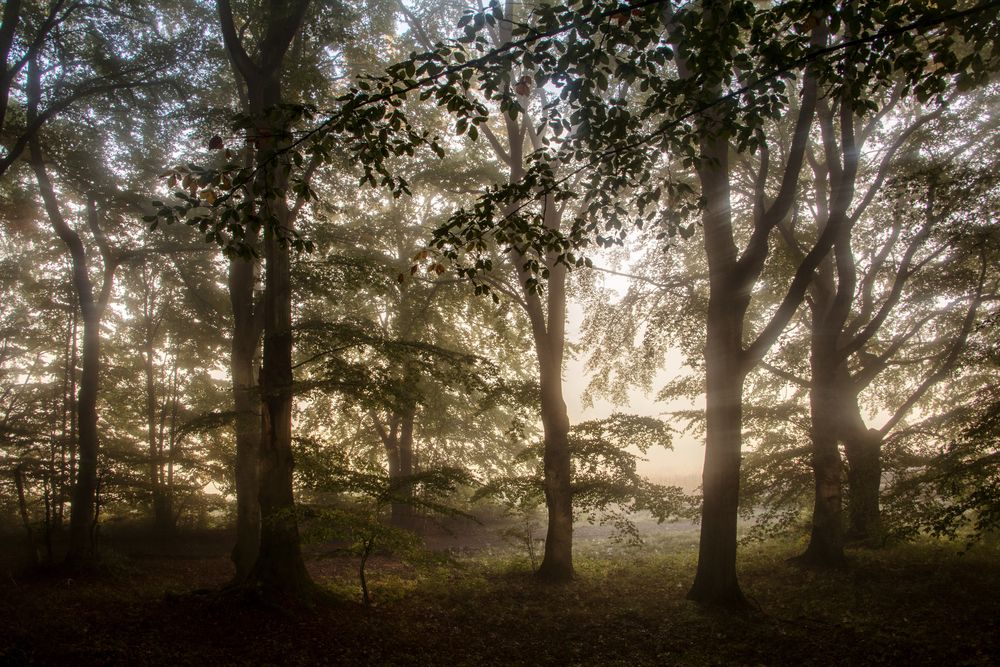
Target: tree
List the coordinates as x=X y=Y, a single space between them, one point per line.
x=836 y=336
x=410 y=364
x=546 y=312
x=78 y=52
x=278 y=565
x=92 y=308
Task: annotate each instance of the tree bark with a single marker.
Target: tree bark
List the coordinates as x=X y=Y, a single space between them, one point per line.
x=826 y=540
x=246 y=405
x=715 y=580
x=401 y=470
x=863 y=448
x=557 y=561
x=279 y=566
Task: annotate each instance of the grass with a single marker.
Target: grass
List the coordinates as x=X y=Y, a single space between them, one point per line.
x=917 y=604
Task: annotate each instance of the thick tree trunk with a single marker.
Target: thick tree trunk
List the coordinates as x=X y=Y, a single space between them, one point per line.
x=864 y=479
x=715 y=580
x=279 y=567
x=863 y=447
x=246 y=405
x=82 y=502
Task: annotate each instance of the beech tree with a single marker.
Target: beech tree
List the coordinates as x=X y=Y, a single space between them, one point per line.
x=917 y=270
x=397 y=360
x=836 y=335
x=278 y=564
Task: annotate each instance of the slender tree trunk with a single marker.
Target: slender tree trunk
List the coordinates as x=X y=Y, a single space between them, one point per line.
x=85 y=487
x=169 y=443
x=49 y=523
x=74 y=413
x=557 y=562
x=30 y=550
x=826 y=541
x=67 y=445
x=162 y=519
x=548 y=326
x=82 y=503
x=49 y=491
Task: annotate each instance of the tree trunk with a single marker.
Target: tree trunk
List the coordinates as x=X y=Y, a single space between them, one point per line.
x=67 y=477
x=826 y=541
x=162 y=519
x=30 y=550
x=401 y=512
x=863 y=447
x=82 y=499
x=557 y=562
x=279 y=567
x=246 y=405
x=168 y=448
x=82 y=502
x=715 y=580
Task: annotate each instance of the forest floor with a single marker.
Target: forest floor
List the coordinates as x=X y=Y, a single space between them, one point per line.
x=916 y=604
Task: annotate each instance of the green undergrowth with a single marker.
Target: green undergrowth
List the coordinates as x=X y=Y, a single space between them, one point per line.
x=916 y=604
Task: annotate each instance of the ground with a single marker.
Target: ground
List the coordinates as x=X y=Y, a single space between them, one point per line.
x=917 y=604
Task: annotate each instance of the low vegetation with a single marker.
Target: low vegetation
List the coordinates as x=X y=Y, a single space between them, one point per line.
x=923 y=603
